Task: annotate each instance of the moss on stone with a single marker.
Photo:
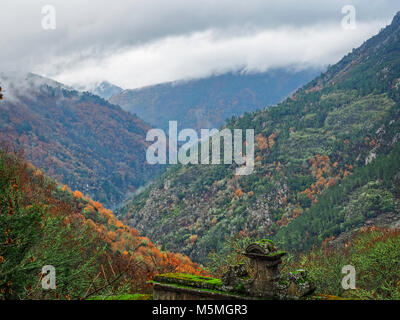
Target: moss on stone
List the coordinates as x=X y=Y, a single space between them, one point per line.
x=276 y=253
x=189 y=280
x=264 y=241
x=240 y=287
x=216 y=291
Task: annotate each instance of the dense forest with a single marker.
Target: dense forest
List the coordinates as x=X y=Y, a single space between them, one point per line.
x=77 y=137
x=326 y=163
x=43 y=223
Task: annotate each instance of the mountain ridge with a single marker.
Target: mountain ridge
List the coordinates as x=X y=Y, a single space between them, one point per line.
x=312 y=151
x=77 y=137
x=206 y=103
x=106 y=90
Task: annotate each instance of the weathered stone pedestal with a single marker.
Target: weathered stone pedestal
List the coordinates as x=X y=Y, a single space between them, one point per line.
x=266 y=282
x=265 y=259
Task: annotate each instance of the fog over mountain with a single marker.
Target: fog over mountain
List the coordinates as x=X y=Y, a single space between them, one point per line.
x=76 y=137
x=137 y=43
x=105 y=89
x=206 y=103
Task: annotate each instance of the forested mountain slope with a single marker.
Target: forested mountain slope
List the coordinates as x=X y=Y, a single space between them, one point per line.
x=93 y=253
x=327 y=162
x=207 y=103
x=77 y=138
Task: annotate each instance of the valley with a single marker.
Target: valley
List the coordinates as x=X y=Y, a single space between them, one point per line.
x=256 y=175
x=314 y=163
x=207 y=103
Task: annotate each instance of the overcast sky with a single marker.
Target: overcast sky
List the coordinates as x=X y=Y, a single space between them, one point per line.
x=143 y=42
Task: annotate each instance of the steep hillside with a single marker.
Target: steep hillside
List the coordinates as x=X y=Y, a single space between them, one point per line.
x=374 y=253
x=326 y=163
x=77 y=138
x=45 y=223
x=207 y=103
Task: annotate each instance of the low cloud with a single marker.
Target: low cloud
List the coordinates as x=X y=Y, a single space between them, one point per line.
x=137 y=43
x=211 y=52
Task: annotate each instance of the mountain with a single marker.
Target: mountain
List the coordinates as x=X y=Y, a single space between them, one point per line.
x=106 y=90
x=78 y=138
x=327 y=162
x=44 y=223
x=207 y=103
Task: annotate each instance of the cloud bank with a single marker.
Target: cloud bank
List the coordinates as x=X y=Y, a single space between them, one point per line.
x=139 y=43
x=204 y=53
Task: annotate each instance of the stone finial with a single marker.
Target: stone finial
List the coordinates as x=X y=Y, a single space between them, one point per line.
x=265 y=260
x=263 y=246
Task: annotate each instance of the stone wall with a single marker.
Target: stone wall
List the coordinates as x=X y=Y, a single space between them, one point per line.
x=170 y=292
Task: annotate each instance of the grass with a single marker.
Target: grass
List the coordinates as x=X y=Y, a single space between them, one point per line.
x=135 y=296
